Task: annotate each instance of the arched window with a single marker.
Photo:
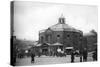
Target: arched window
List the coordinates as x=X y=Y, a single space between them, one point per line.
x=58 y=38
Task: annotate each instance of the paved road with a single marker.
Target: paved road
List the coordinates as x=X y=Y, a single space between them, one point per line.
x=47 y=60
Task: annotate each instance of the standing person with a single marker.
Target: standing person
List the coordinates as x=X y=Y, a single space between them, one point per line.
x=32 y=57
x=80 y=52
x=95 y=55
x=72 y=56
x=84 y=54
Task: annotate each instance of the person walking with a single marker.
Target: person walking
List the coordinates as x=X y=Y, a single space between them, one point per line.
x=72 y=56
x=84 y=54
x=32 y=57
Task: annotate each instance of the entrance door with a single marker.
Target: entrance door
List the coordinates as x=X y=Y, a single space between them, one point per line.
x=45 y=51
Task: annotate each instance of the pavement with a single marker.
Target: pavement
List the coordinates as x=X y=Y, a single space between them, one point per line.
x=47 y=60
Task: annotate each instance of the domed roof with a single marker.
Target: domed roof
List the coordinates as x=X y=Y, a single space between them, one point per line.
x=62 y=26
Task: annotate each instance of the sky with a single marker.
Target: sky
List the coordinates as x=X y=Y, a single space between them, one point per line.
x=31 y=17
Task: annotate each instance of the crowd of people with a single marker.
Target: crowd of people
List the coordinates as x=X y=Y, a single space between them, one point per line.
x=83 y=55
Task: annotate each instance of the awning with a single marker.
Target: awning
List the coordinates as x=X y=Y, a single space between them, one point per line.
x=45 y=44
x=57 y=44
x=69 y=48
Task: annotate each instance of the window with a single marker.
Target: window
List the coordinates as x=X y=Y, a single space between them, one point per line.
x=68 y=35
x=58 y=35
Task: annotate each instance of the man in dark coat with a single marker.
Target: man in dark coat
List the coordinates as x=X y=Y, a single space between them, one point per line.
x=84 y=54
x=72 y=56
x=32 y=57
x=80 y=53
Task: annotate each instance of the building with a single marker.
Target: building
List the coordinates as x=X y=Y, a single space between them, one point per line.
x=91 y=39
x=59 y=36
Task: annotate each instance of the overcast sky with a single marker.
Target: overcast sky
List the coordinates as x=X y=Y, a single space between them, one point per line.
x=31 y=17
